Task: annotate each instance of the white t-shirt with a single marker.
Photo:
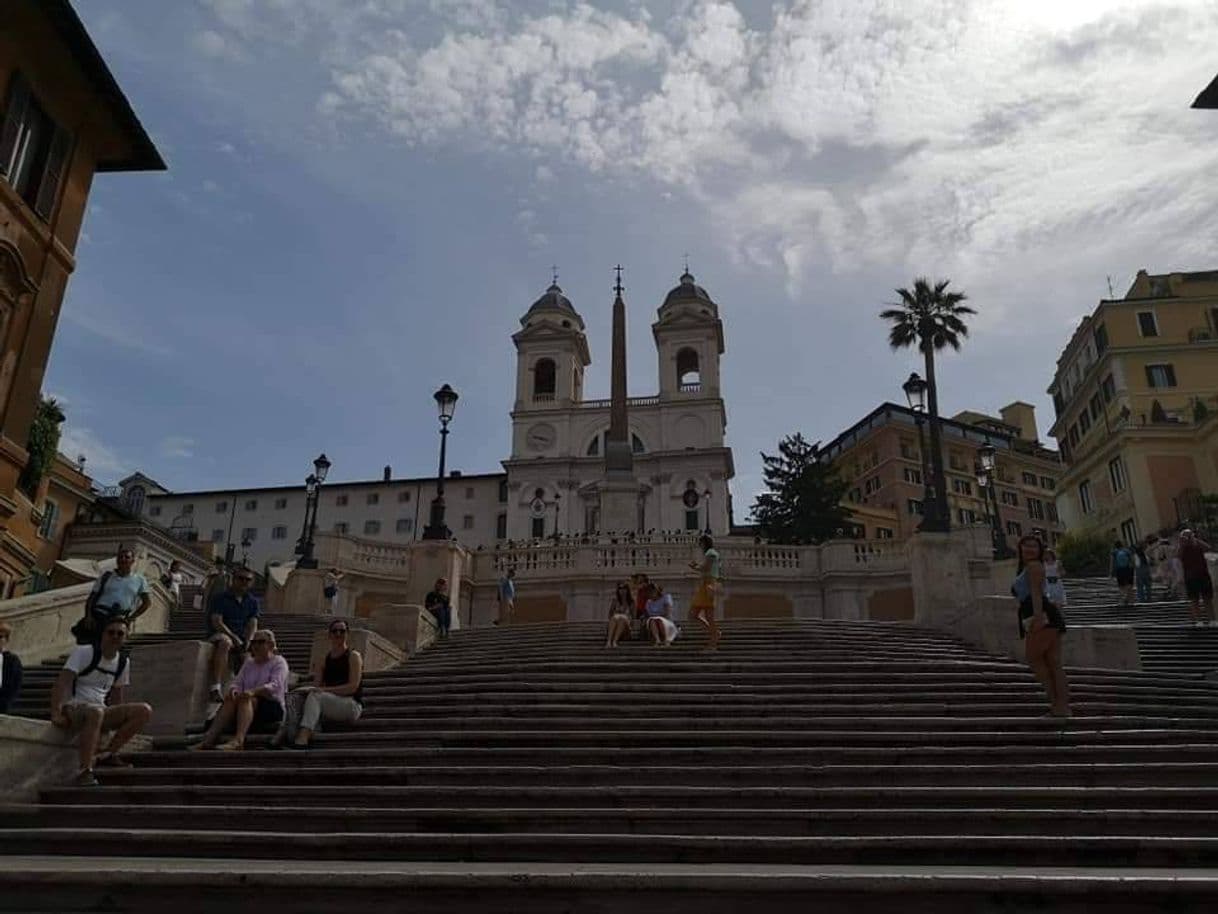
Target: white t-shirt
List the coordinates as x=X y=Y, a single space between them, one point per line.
x=93 y=689
x=175 y=582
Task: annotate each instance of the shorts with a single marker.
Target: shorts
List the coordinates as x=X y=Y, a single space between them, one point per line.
x=1124 y=576
x=75 y=712
x=268 y=715
x=1199 y=588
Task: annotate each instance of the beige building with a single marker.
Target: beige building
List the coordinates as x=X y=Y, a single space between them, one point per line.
x=881 y=457
x=1136 y=396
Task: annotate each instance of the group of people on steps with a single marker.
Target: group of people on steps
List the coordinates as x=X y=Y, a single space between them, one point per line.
x=641 y=608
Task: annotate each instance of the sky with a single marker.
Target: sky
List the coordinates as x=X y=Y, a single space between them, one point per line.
x=363 y=198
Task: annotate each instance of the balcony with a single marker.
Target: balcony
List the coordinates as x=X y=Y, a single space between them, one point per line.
x=692 y=387
x=1201 y=335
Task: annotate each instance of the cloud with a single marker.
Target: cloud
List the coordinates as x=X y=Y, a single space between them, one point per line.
x=177 y=446
x=528 y=219
x=951 y=136
x=211 y=43
x=101 y=461
x=115 y=330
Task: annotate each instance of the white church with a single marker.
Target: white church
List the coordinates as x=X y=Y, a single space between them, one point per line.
x=554 y=480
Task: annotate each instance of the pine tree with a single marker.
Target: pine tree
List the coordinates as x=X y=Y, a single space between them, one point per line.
x=803 y=504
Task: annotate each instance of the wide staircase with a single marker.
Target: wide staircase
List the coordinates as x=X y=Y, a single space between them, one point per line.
x=1168 y=642
x=293 y=636
x=819 y=765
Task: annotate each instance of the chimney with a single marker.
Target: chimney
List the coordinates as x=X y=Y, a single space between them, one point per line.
x=1023 y=417
x=388 y=472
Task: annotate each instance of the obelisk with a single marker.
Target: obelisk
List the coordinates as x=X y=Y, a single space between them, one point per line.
x=619 y=489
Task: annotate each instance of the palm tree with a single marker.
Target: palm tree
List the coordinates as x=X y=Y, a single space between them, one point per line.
x=931 y=317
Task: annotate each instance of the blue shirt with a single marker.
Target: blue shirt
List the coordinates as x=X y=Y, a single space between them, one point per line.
x=235 y=612
x=507 y=590
x=122 y=593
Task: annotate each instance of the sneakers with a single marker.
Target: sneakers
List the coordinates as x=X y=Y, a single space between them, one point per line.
x=85 y=778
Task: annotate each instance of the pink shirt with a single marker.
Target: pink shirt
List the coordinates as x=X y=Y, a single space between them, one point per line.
x=253 y=675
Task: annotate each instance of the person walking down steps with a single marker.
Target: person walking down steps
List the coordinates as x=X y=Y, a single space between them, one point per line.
x=702 y=607
x=1041 y=625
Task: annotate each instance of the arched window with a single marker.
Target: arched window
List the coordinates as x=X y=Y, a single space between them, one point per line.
x=688 y=375
x=135 y=500
x=636 y=444
x=594 y=446
x=545 y=374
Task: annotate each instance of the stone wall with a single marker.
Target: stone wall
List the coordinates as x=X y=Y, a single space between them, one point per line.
x=35 y=754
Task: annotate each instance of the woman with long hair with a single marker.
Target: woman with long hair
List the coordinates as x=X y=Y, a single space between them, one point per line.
x=702 y=607
x=620 y=611
x=1041 y=624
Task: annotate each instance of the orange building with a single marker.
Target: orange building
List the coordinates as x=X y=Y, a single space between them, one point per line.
x=881 y=457
x=62 y=119
x=1136 y=395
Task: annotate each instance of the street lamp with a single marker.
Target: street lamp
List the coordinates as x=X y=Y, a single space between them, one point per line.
x=245 y=551
x=557 y=506
x=707 y=495
x=321 y=468
x=446 y=402
x=934 y=519
x=310 y=488
x=987 y=473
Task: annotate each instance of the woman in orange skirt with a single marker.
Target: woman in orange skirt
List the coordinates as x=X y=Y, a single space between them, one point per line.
x=702 y=607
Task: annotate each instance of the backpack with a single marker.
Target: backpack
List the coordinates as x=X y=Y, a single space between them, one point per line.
x=85 y=630
x=95 y=661
x=1120 y=559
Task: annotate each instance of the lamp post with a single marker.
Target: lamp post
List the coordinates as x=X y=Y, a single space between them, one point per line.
x=446 y=402
x=988 y=471
x=321 y=467
x=557 y=506
x=934 y=513
x=707 y=495
x=310 y=488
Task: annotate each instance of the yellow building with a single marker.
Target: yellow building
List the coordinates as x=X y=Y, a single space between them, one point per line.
x=881 y=457
x=1136 y=396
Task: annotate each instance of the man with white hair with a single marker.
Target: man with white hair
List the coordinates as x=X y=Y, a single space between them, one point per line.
x=1197 y=582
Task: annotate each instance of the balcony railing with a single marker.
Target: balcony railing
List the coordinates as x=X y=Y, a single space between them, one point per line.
x=693 y=387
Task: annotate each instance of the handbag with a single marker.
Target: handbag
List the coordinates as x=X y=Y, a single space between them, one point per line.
x=330 y=592
x=86 y=629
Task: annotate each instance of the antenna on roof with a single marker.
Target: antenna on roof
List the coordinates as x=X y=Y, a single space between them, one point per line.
x=1111 y=294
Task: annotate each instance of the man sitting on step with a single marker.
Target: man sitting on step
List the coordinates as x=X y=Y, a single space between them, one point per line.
x=231 y=611
x=93 y=673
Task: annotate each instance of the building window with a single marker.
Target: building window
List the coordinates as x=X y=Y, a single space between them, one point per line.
x=962 y=487
x=1073 y=436
x=503 y=491
x=372 y=498
x=539 y=527
x=249 y=533
x=907 y=450
x=1161 y=375
x=50 y=520
x=279 y=533
x=469 y=491
x=883 y=533
x=405 y=525
x=693 y=520
x=34 y=150
x=1116 y=472
x=251 y=504
x=1147 y=325
x=501 y=527
x=913 y=505
x=1108 y=388
x=966 y=515
x=217 y=535
x=154 y=511
x=221 y=507
x=1015 y=529
x=188 y=509
x=956 y=461
x=372 y=527
x=1010 y=498
x=1051 y=511
x=467 y=522
x=594 y=447
x=913 y=476
x=280 y=504
x=403 y=496
x=1097 y=406
x=1084 y=497
x=342 y=527
x=340 y=501
x=1084 y=422
x=1129 y=531
x=1046 y=482
x=1036 y=509
x=871 y=485
x=1100 y=335
x=545 y=375
x=1029 y=479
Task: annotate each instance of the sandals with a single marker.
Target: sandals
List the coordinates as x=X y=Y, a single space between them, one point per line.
x=111 y=760
x=231 y=746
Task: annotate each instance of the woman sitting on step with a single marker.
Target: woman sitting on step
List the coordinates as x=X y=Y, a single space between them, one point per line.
x=659 y=617
x=620 y=611
x=254 y=700
x=338 y=697
x=1041 y=624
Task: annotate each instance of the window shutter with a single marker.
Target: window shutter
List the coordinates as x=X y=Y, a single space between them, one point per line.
x=14 y=115
x=52 y=175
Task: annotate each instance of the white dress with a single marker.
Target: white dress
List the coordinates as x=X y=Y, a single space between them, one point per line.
x=1055 y=588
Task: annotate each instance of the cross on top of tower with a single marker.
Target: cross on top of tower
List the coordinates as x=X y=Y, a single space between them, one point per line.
x=554 y=272
x=618 y=287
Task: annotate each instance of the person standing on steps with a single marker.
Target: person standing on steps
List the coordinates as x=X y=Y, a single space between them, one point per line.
x=1198 y=585
x=232 y=619
x=437 y=603
x=122 y=592
x=702 y=607
x=621 y=613
x=1120 y=567
x=329 y=589
x=1041 y=625
x=507 y=598
x=173 y=581
x=338 y=696
x=1141 y=572
x=93 y=675
x=1055 y=579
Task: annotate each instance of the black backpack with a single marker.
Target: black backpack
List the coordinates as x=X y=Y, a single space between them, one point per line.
x=85 y=631
x=95 y=662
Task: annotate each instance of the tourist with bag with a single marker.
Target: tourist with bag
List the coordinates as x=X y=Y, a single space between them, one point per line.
x=337 y=698
x=1121 y=567
x=121 y=592
x=1041 y=624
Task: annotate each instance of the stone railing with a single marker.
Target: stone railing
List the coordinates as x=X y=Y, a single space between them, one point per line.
x=630 y=401
x=154 y=547
x=369 y=556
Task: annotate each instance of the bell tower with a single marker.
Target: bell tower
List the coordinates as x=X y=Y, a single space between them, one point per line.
x=689 y=342
x=551 y=354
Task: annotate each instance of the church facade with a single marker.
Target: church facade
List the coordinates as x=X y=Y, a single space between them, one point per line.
x=552 y=481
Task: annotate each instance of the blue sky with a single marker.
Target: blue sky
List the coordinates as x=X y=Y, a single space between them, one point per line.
x=364 y=197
